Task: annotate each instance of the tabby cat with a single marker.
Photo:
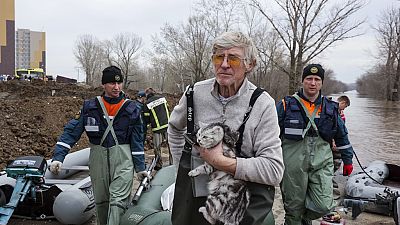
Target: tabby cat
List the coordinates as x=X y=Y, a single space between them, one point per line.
x=228 y=198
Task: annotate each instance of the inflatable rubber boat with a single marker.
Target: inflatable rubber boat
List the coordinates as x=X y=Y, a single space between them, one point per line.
x=68 y=196
x=155 y=204
x=366 y=186
x=376 y=190
x=29 y=190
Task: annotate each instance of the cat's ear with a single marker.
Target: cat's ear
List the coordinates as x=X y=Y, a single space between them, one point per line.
x=230 y=136
x=220 y=129
x=196 y=129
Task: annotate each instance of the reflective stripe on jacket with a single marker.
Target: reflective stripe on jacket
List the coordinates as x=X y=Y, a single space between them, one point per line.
x=157 y=110
x=295 y=121
x=292 y=121
x=127 y=126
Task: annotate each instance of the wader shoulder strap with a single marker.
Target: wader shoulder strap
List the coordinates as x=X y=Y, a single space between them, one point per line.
x=253 y=99
x=190 y=116
x=109 y=122
x=311 y=117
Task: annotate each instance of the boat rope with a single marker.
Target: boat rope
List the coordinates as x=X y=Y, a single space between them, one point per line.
x=362 y=168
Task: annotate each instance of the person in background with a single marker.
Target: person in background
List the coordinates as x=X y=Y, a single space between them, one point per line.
x=113 y=125
x=344 y=102
x=308 y=123
x=225 y=99
x=157 y=115
x=141 y=100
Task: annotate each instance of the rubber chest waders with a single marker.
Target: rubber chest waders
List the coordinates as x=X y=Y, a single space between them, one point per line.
x=111 y=171
x=307 y=180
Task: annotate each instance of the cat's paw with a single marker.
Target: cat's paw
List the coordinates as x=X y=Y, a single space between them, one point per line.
x=203 y=210
x=193 y=173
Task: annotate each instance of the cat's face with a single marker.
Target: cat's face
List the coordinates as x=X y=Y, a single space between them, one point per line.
x=210 y=136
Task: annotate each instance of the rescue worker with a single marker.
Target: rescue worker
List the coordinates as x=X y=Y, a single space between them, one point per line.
x=308 y=123
x=141 y=100
x=344 y=102
x=158 y=115
x=112 y=123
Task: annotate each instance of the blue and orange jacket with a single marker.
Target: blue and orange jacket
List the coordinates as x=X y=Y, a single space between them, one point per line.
x=330 y=126
x=127 y=125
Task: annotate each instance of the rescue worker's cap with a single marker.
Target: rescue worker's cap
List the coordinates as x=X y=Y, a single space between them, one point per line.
x=313 y=69
x=141 y=94
x=111 y=74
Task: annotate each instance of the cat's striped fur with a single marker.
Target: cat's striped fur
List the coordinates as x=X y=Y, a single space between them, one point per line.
x=228 y=198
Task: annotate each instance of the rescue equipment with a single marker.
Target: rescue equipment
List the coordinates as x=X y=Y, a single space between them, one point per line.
x=366 y=191
x=28 y=171
x=29 y=190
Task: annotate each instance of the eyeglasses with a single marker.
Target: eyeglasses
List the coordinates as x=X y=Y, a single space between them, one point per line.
x=231 y=59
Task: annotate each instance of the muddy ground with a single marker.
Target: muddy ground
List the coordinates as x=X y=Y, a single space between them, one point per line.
x=32 y=116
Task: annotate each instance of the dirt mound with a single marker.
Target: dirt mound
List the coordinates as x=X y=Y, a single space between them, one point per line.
x=32 y=116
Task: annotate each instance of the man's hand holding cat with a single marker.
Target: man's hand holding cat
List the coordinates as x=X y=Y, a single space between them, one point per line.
x=211 y=155
x=215 y=158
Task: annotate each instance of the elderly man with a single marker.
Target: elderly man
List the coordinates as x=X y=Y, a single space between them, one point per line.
x=226 y=99
x=308 y=123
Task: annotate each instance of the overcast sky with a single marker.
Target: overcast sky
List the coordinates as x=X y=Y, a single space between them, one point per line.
x=65 y=20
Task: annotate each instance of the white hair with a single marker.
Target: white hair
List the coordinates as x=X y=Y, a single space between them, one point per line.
x=232 y=39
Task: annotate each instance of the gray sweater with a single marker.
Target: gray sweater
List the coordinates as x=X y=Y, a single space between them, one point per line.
x=261 y=147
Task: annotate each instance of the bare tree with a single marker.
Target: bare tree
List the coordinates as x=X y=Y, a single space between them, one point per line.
x=371 y=83
x=270 y=50
x=331 y=85
x=107 y=47
x=309 y=27
x=388 y=40
x=168 y=53
x=125 y=47
x=185 y=50
x=89 y=55
x=189 y=44
x=219 y=15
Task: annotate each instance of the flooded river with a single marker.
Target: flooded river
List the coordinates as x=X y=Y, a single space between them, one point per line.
x=374 y=128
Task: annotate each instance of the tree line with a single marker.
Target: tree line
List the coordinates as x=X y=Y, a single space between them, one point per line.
x=382 y=80
x=288 y=35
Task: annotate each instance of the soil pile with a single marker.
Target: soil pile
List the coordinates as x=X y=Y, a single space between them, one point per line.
x=33 y=115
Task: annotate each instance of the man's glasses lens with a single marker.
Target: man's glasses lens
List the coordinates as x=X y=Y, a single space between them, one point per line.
x=232 y=60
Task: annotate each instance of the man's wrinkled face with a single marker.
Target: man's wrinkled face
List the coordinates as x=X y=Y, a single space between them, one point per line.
x=229 y=66
x=112 y=89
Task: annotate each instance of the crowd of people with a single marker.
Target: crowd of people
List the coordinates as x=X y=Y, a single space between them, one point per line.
x=290 y=144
